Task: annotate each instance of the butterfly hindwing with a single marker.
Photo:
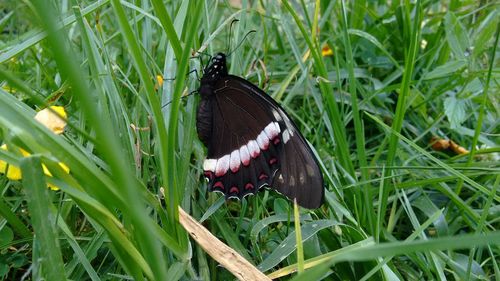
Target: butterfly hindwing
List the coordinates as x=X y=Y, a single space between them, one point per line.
x=299 y=175
x=242 y=144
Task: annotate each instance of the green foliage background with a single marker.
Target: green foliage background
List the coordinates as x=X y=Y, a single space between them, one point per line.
x=401 y=72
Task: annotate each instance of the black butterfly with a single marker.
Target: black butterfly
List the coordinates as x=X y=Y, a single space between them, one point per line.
x=251 y=141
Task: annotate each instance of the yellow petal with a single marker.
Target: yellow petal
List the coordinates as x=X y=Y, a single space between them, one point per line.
x=13 y=172
x=64 y=167
x=3 y=166
x=52 y=187
x=51 y=120
x=46 y=170
x=24 y=152
x=159 y=80
x=326 y=51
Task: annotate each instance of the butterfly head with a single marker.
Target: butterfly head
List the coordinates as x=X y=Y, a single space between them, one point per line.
x=216 y=70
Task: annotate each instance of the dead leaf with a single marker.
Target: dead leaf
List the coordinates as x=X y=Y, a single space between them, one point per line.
x=225 y=255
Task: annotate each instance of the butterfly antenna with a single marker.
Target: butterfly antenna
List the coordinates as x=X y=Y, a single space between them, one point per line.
x=230 y=33
x=241 y=42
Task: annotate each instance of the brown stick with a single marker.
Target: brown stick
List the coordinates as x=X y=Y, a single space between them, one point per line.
x=226 y=256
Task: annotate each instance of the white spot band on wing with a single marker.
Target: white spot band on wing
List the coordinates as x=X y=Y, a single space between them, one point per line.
x=242 y=155
x=209 y=165
x=263 y=140
x=222 y=165
x=253 y=148
x=234 y=163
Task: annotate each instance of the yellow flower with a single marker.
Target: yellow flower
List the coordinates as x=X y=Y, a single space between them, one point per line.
x=326 y=51
x=12 y=172
x=56 y=124
x=159 y=80
x=51 y=120
x=47 y=172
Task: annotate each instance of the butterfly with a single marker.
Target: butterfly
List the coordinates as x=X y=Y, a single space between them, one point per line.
x=251 y=141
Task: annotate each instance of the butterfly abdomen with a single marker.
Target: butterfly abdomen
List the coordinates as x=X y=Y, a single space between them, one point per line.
x=204 y=120
x=204 y=116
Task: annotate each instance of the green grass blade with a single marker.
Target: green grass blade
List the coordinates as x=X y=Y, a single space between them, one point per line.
x=39 y=35
x=80 y=255
x=16 y=223
x=290 y=243
x=326 y=90
x=403 y=95
x=298 y=238
x=399 y=248
x=368 y=214
x=42 y=218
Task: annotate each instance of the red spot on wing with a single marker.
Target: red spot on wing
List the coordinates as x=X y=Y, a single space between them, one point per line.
x=248 y=186
x=234 y=189
x=276 y=140
x=273 y=161
x=220 y=173
x=235 y=169
x=265 y=145
x=208 y=174
x=219 y=184
x=255 y=154
x=263 y=176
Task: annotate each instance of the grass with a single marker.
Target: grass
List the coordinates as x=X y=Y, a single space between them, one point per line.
x=395 y=208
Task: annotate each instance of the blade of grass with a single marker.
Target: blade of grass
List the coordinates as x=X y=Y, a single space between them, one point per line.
x=171 y=175
x=108 y=143
x=105 y=88
x=43 y=220
x=42 y=34
x=326 y=90
x=298 y=237
x=440 y=163
x=168 y=26
x=79 y=254
x=368 y=214
x=316 y=261
x=18 y=225
x=480 y=118
x=290 y=244
x=401 y=104
x=403 y=248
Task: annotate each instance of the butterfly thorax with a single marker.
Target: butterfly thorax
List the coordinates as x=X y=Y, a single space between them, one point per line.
x=213 y=73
